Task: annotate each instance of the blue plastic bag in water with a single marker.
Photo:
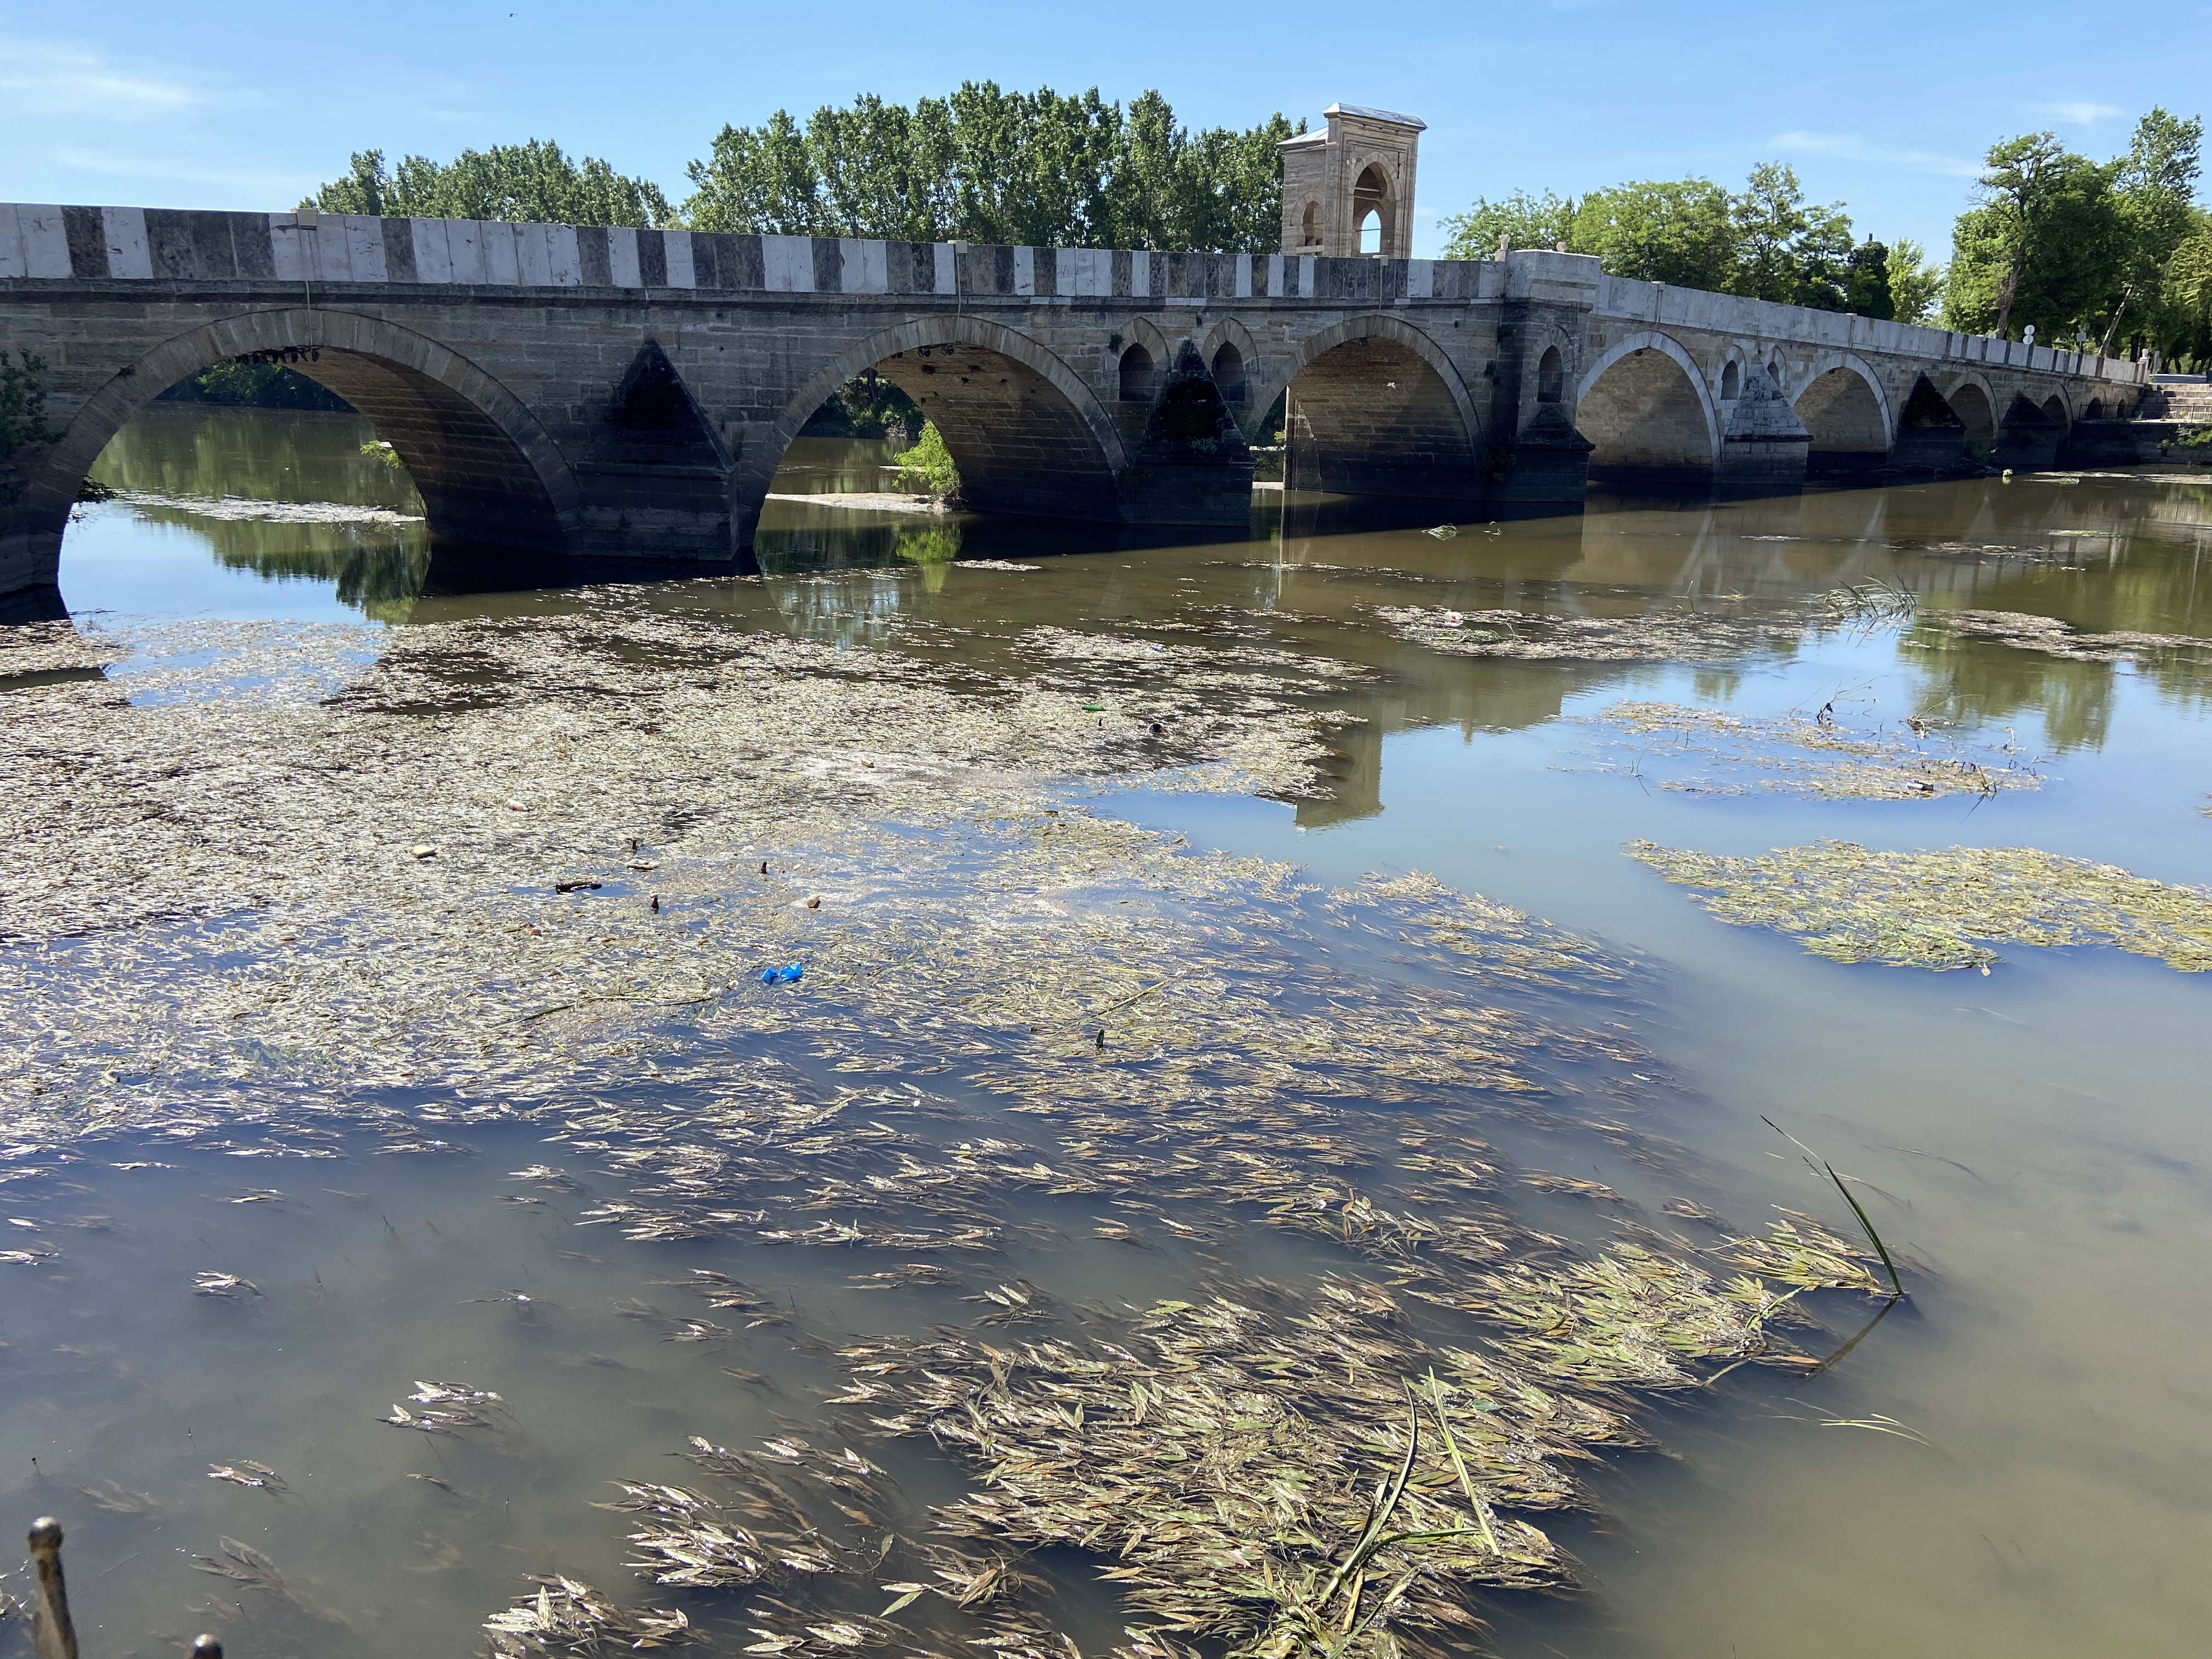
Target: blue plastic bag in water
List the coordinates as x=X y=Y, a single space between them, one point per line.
x=782 y=975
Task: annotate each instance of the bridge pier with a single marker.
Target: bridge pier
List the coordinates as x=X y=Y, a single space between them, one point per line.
x=1763 y=445
x=2028 y=437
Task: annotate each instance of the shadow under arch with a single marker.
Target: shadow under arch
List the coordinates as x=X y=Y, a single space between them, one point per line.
x=1029 y=436
x=1375 y=407
x=1843 y=407
x=489 y=475
x=1975 y=402
x=1646 y=407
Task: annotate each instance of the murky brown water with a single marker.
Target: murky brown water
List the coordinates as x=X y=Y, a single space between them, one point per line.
x=2033 y=1138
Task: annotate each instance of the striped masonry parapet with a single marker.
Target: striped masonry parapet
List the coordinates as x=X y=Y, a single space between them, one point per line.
x=112 y=243
x=127 y=244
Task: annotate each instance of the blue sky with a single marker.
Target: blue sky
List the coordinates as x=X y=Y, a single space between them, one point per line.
x=1884 y=106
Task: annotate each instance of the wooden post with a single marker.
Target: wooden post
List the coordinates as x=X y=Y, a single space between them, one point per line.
x=52 y=1634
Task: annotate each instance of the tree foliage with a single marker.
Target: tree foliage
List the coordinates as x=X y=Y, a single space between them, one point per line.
x=533 y=182
x=2041 y=246
x=986 y=165
x=1914 y=284
x=1766 y=241
x=256 y=386
x=2113 y=254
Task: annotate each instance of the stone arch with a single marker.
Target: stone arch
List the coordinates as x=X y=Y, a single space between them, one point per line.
x=1027 y=434
x=1844 y=408
x=1228 y=330
x=1646 y=406
x=1309 y=226
x=2055 y=407
x=1369 y=326
x=1137 y=374
x=1731 y=381
x=1975 y=403
x=489 y=472
x=1374 y=406
x=1374 y=193
x=1550 y=375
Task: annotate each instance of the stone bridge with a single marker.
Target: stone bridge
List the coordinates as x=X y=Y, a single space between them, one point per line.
x=628 y=393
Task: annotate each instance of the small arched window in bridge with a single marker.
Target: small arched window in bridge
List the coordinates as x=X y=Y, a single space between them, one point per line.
x=1551 y=376
x=1731 y=383
x=1229 y=372
x=1309 y=226
x=1136 y=375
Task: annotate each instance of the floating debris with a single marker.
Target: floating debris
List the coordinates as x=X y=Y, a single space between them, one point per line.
x=1833 y=760
x=1943 y=910
x=238 y=507
x=1676 y=635
x=567 y=1616
x=2054 y=638
x=257 y=1477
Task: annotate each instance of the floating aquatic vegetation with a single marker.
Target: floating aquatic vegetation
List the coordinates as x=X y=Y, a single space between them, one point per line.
x=567 y=1616
x=53 y=647
x=112 y=1499
x=1872 y=604
x=1675 y=635
x=2055 y=638
x=239 y=508
x=222 y=1284
x=255 y=1477
x=1012 y=1008
x=1944 y=910
x=1833 y=760
x=1217 y=1458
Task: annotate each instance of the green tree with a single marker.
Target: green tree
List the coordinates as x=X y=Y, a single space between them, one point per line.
x=1680 y=232
x=987 y=165
x=534 y=181
x=1865 y=281
x=1521 y=220
x=2154 y=193
x=2042 y=245
x=1914 y=284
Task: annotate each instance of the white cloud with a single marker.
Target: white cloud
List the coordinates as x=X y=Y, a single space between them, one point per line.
x=272 y=185
x=1854 y=147
x=40 y=78
x=2075 y=113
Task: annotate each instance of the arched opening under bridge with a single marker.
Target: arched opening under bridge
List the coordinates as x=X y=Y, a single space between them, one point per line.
x=1376 y=414
x=488 y=478
x=1026 y=435
x=1648 y=424
x=1843 y=412
x=1972 y=407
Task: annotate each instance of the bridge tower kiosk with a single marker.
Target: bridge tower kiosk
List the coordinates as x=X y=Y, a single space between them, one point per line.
x=1348 y=189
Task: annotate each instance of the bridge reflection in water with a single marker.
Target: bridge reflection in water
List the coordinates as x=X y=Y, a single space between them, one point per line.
x=1311 y=574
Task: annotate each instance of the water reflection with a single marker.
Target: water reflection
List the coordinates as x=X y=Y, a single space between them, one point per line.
x=2102 y=554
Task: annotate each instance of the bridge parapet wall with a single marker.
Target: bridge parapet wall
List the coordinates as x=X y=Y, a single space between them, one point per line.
x=1658 y=305
x=102 y=243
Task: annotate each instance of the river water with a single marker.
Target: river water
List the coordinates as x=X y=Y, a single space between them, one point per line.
x=2012 y=1462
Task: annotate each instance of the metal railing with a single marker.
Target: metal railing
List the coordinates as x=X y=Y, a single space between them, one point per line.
x=52 y=1634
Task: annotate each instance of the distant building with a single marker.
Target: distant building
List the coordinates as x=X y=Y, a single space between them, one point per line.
x=1348 y=189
